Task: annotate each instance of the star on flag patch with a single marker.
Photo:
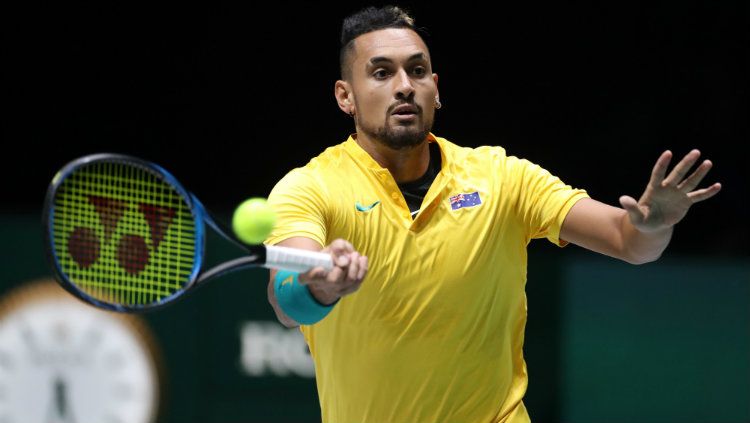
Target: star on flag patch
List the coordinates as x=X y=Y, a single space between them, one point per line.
x=465 y=200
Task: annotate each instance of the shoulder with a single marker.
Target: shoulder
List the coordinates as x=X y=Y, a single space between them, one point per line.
x=480 y=158
x=455 y=151
x=319 y=168
x=327 y=161
x=490 y=163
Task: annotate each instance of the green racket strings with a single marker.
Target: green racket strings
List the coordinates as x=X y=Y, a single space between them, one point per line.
x=122 y=235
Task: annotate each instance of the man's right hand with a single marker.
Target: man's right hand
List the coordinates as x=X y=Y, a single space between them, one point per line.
x=349 y=270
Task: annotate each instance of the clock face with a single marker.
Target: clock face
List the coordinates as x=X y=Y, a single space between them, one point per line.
x=64 y=361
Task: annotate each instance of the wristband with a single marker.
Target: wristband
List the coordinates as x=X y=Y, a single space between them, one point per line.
x=296 y=300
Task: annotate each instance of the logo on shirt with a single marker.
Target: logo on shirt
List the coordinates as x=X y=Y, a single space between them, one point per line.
x=362 y=208
x=465 y=200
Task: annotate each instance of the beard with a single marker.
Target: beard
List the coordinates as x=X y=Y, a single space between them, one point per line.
x=398 y=137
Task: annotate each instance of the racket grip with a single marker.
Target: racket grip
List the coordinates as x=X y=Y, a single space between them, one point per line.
x=295 y=259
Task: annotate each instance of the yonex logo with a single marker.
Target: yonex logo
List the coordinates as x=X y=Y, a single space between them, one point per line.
x=362 y=208
x=84 y=246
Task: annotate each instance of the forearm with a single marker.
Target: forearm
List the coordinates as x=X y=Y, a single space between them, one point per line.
x=642 y=247
x=294 y=242
x=283 y=318
x=306 y=298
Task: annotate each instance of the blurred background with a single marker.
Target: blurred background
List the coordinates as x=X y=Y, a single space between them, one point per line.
x=230 y=97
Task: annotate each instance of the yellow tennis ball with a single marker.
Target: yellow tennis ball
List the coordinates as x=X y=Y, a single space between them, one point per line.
x=253 y=220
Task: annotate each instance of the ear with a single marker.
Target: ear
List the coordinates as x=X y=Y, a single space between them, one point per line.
x=344 y=97
x=437 y=92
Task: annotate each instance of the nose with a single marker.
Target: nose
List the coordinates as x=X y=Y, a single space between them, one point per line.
x=404 y=87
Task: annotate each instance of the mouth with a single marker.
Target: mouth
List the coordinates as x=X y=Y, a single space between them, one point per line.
x=406 y=112
x=406 y=109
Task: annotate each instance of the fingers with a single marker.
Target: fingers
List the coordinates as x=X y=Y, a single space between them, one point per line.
x=687 y=185
x=660 y=168
x=681 y=169
x=363 y=265
x=633 y=209
x=347 y=279
x=335 y=276
x=340 y=250
x=693 y=180
x=704 y=194
x=356 y=274
x=350 y=269
x=340 y=246
x=353 y=269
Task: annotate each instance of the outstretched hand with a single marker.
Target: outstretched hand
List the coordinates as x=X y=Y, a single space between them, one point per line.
x=667 y=199
x=349 y=270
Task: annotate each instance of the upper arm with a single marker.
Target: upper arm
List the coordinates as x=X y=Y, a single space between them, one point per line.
x=595 y=226
x=541 y=200
x=301 y=207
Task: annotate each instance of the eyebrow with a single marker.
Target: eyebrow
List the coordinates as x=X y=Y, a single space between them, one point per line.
x=379 y=59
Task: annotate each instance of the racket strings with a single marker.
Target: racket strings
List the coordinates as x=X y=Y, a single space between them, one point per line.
x=122 y=234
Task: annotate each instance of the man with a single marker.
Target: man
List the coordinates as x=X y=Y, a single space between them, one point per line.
x=435 y=333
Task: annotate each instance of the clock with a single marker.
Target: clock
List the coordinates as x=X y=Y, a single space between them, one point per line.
x=64 y=361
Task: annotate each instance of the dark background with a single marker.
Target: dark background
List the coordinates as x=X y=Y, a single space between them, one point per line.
x=230 y=97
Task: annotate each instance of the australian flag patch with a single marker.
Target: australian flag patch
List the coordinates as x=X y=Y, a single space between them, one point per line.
x=465 y=200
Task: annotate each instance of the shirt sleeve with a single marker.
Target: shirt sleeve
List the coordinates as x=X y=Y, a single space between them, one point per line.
x=298 y=202
x=543 y=200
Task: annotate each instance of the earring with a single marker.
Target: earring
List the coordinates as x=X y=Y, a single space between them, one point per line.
x=437 y=103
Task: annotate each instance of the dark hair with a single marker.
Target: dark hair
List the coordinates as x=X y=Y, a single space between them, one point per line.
x=368 y=20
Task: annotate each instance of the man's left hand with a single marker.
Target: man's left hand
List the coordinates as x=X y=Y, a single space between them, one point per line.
x=667 y=199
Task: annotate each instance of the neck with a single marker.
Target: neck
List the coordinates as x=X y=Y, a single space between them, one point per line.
x=406 y=165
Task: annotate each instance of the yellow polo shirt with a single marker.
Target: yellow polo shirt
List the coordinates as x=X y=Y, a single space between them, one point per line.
x=435 y=333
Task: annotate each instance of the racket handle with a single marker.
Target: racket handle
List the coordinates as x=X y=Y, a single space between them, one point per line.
x=295 y=259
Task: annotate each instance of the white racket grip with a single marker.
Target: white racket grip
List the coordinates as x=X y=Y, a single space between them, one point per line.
x=295 y=259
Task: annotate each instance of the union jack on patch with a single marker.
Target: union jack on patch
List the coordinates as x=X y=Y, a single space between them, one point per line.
x=465 y=200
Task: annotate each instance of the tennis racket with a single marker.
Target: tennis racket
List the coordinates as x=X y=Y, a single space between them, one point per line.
x=124 y=235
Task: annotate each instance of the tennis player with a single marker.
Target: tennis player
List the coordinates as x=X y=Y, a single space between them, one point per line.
x=438 y=233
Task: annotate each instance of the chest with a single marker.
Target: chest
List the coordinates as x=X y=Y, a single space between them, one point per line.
x=459 y=231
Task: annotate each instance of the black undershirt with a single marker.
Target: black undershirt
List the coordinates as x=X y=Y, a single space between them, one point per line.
x=415 y=191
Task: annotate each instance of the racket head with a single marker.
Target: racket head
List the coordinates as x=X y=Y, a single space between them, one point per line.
x=122 y=233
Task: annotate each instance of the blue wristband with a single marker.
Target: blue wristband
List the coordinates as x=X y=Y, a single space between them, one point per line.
x=296 y=300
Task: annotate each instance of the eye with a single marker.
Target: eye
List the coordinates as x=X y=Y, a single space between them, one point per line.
x=380 y=74
x=420 y=71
